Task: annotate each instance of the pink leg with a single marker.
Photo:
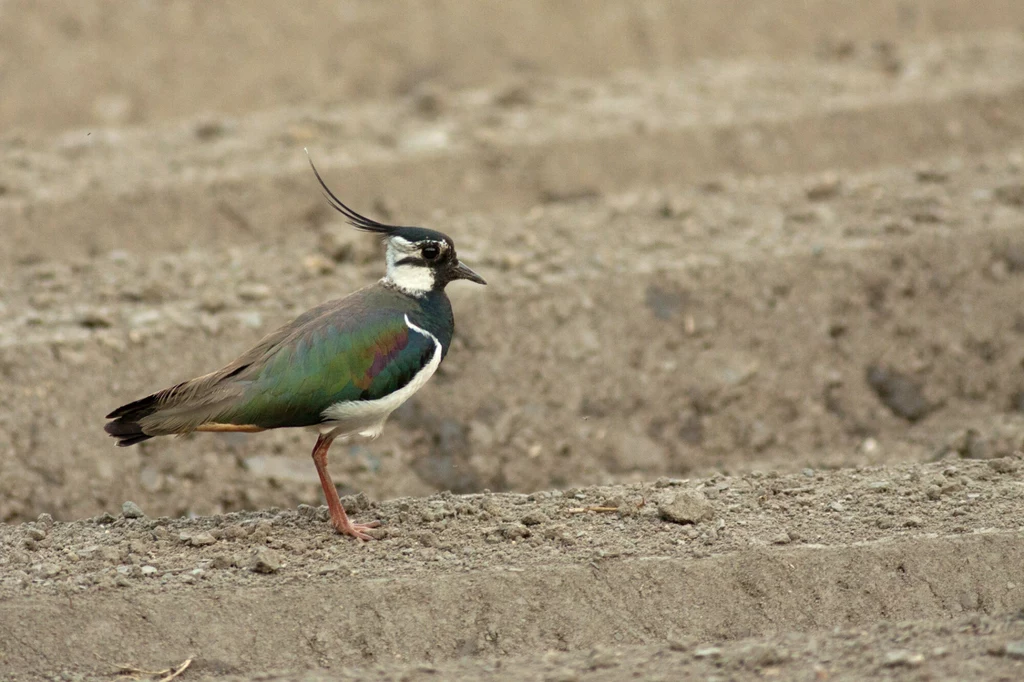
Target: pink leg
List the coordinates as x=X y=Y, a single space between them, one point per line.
x=339 y=519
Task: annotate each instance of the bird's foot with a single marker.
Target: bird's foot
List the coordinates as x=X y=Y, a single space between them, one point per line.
x=356 y=530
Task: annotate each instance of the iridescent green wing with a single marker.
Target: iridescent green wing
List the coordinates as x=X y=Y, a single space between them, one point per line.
x=333 y=359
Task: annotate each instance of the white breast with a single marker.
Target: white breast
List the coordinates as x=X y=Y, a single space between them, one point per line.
x=367 y=417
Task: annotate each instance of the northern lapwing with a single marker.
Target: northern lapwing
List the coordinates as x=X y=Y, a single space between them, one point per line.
x=340 y=368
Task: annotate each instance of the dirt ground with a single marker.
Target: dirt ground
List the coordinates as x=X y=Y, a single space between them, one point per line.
x=753 y=319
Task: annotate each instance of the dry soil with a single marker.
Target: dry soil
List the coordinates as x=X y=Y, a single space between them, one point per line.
x=754 y=320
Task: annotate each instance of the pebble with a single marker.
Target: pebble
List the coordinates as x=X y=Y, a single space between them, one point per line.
x=149 y=570
x=202 y=539
x=47 y=570
x=254 y=292
x=265 y=560
x=707 y=652
x=826 y=188
x=687 y=506
x=782 y=538
x=902 y=658
x=1015 y=650
x=37 y=534
x=45 y=521
x=913 y=522
x=130 y=510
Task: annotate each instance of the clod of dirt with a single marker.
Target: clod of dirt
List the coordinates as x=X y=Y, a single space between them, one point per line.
x=534 y=518
x=897 y=391
x=265 y=560
x=1011 y=195
x=688 y=506
x=130 y=510
x=1003 y=465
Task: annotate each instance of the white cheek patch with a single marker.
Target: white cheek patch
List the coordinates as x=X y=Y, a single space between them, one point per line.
x=412 y=279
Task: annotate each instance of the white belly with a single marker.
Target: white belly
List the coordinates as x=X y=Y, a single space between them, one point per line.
x=367 y=417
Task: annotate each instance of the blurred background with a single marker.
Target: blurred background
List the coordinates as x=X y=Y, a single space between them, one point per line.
x=719 y=236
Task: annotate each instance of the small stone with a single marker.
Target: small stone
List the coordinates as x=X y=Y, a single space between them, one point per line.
x=836 y=506
x=37 y=534
x=265 y=560
x=106 y=519
x=1014 y=650
x=130 y=510
x=47 y=570
x=913 y=522
x=687 y=506
x=708 y=652
x=781 y=538
x=45 y=521
x=202 y=539
x=254 y=292
x=902 y=658
x=826 y=188
x=149 y=570
x=355 y=504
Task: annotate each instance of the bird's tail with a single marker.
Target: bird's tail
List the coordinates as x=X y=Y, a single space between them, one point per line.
x=125 y=426
x=189 y=406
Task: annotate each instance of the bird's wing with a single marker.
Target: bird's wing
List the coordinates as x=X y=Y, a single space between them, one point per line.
x=332 y=361
x=348 y=349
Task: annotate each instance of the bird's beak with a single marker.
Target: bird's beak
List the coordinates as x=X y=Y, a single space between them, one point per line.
x=461 y=271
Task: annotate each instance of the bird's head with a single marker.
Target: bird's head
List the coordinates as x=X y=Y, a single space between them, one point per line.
x=418 y=260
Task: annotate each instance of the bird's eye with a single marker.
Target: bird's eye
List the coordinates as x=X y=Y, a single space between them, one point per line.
x=430 y=252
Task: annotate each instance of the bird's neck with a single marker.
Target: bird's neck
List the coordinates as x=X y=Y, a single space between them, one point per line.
x=433 y=312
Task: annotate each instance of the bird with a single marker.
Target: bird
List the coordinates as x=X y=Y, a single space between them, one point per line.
x=340 y=368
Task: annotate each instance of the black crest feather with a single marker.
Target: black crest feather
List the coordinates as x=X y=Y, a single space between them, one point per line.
x=355 y=219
